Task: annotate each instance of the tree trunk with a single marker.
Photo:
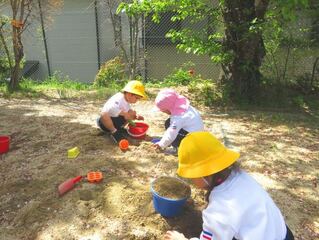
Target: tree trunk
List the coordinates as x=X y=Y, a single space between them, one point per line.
x=135 y=47
x=18 y=56
x=246 y=45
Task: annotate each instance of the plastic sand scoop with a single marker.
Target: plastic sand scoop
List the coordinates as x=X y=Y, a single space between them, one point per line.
x=92 y=177
x=68 y=185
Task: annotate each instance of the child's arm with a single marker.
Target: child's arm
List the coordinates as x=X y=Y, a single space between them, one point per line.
x=130 y=115
x=139 y=117
x=170 y=134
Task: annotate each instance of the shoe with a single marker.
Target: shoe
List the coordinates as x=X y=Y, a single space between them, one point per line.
x=171 y=151
x=98 y=122
x=123 y=131
x=117 y=136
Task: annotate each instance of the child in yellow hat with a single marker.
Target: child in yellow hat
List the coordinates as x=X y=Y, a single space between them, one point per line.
x=238 y=207
x=117 y=110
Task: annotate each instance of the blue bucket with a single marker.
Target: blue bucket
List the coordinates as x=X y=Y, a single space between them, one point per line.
x=165 y=206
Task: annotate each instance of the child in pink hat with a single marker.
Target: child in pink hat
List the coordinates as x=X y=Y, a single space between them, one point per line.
x=183 y=118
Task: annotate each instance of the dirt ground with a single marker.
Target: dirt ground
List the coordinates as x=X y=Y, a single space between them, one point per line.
x=281 y=150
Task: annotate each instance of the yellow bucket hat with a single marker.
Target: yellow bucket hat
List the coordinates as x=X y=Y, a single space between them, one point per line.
x=200 y=154
x=135 y=87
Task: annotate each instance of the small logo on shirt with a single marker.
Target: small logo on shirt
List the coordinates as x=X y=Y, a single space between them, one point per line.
x=207 y=235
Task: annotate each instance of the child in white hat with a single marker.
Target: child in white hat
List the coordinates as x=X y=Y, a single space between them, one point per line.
x=117 y=110
x=183 y=118
x=238 y=207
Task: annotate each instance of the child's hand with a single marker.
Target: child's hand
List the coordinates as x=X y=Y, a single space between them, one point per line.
x=174 y=235
x=139 y=117
x=156 y=146
x=131 y=123
x=131 y=115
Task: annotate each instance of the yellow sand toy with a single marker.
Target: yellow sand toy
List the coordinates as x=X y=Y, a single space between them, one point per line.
x=73 y=152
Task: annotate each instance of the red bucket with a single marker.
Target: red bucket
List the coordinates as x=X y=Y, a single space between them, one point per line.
x=138 y=131
x=4 y=144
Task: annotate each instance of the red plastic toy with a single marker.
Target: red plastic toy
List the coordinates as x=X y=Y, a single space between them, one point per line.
x=94 y=177
x=124 y=144
x=4 y=144
x=138 y=131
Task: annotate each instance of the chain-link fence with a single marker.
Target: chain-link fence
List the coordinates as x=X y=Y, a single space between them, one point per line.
x=162 y=56
x=296 y=59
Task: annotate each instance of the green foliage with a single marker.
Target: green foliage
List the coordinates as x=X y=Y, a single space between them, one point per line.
x=287 y=9
x=191 y=39
x=4 y=68
x=204 y=33
x=200 y=44
x=182 y=76
x=179 y=77
x=111 y=73
x=285 y=40
x=306 y=84
x=299 y=101
x=206 y=92
x=4 y=60
x=134 y=8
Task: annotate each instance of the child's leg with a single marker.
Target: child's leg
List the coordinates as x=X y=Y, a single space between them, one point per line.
x=181 y=134
x=118 y=123
x=289 y=235
x=167 y=123
x=101 y=125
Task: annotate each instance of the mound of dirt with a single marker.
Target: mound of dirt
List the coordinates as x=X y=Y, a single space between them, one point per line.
x=171 y=188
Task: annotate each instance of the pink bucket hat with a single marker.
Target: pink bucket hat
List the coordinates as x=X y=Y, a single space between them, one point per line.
x=168 y=99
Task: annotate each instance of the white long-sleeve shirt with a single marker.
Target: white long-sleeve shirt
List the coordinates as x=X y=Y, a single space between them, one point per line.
x=242 y=209
x=190 y=121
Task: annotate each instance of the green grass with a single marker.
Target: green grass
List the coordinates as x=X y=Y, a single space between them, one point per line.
x=64 y=88
x=57 y=88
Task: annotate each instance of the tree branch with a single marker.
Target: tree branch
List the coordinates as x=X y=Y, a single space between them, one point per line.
x=3 y=41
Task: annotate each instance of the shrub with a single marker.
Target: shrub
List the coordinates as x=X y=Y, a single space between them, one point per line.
x=111 y=72
x=181 y=76
x=206 y=92
x=4 y=69
x=299 y=101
